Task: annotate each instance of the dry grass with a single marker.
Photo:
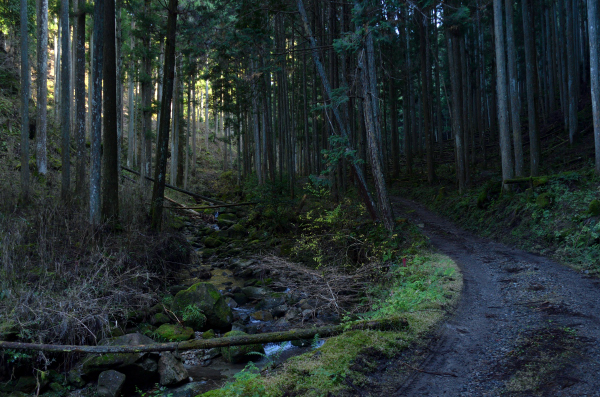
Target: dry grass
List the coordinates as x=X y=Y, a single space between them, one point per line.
x=62 y=281
x=334 y=288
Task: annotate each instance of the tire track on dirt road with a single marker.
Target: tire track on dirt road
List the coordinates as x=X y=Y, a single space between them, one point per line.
x=525 y=325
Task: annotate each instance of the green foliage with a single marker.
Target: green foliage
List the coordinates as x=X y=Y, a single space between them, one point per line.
x=193 y=316
x=247 y=383
x=156 y=391
x=416 y=285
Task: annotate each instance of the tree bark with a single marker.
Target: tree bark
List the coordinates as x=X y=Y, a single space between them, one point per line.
x=25 y=84
x=110 y=160
x=162 y=144
x=385 y=208
x=80 y=174
x=505 y=152
x=594 y=37
x=513 y=89
x=532 y=90
x=42 y=83
x=96 y=112
x=572 y=74
x=147 y=94
x=65 y=99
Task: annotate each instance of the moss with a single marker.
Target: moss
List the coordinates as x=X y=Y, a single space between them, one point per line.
x=208 y=334
x=227 y=217
x=176 y=223
x=161 y=318
x=240 y=354
x=540 y=181
x=175 y=332
x=482 y=199
x=543 y=200
x=206 y=298
x=441 y=194
x=594 y=207
x=212 y=242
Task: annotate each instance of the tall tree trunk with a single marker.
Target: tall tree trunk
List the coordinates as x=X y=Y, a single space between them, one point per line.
x=42 y=83
x=255 y=127
x=572 y=74
x=147 y=94
x=454 y=62
x=425 y=93
x=175 y=126
x=25 y=83
x=96 y=112
x=119 y=81
x=385 y=208
x=532 y=91
x=162 y=145
x=513 y=89
x=110 y=160
x=80 y=176
x=131 y=123
x=65 y=99
x=362 y=183
x=194 y=108
x=594 y=37
x=505 y=152
x=181 y=141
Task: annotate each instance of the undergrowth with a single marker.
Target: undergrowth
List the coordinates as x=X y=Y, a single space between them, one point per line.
x=419 y=289
x=63 y=282
x=555 y=217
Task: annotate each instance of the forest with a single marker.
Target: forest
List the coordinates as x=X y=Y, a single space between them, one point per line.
x=299 y=198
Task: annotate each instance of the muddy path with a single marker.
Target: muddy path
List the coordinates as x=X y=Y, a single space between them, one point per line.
x=525 y=325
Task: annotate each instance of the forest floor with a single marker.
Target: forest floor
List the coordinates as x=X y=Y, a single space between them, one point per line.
x=525 y=325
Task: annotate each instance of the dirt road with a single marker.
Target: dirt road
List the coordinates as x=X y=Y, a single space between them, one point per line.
x=525 y=325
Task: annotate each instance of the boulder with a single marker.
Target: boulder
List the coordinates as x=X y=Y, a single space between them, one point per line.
x=191 y=389
x=211 y=242
x=231 y=302
x=208 y=299
x=240 y=298
x=269 y=303
x=140 y=367
x=171 y=369
x=255 y=292
x=208 y=334
x=160 y=318
x=74 y=378
x=262 y=315
x=175 y=332
x=241 y=354
x=110 y=383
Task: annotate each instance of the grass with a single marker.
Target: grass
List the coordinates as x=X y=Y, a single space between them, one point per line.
x=421 y=292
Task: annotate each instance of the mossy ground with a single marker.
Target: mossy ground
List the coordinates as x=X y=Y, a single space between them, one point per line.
x=348 y=359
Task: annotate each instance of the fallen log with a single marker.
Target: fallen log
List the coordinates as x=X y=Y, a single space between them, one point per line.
x=181 y=207
x=270 y=337
x=210 y=200
x=207 y=207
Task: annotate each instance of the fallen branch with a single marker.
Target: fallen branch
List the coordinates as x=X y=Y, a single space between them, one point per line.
x=271 y=337
x=181 y=206
x=210 y=200
x=213 y=206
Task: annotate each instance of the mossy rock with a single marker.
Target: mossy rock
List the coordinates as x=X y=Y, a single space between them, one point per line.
x=209 y=301
x=594 y=208
x=241 y=354
x=210 y=334
x=175 y=332
x=227 y=217
x=160 y=318
x=238 y=229
x=124 y=362
x=543 y=200
x=211 y=242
